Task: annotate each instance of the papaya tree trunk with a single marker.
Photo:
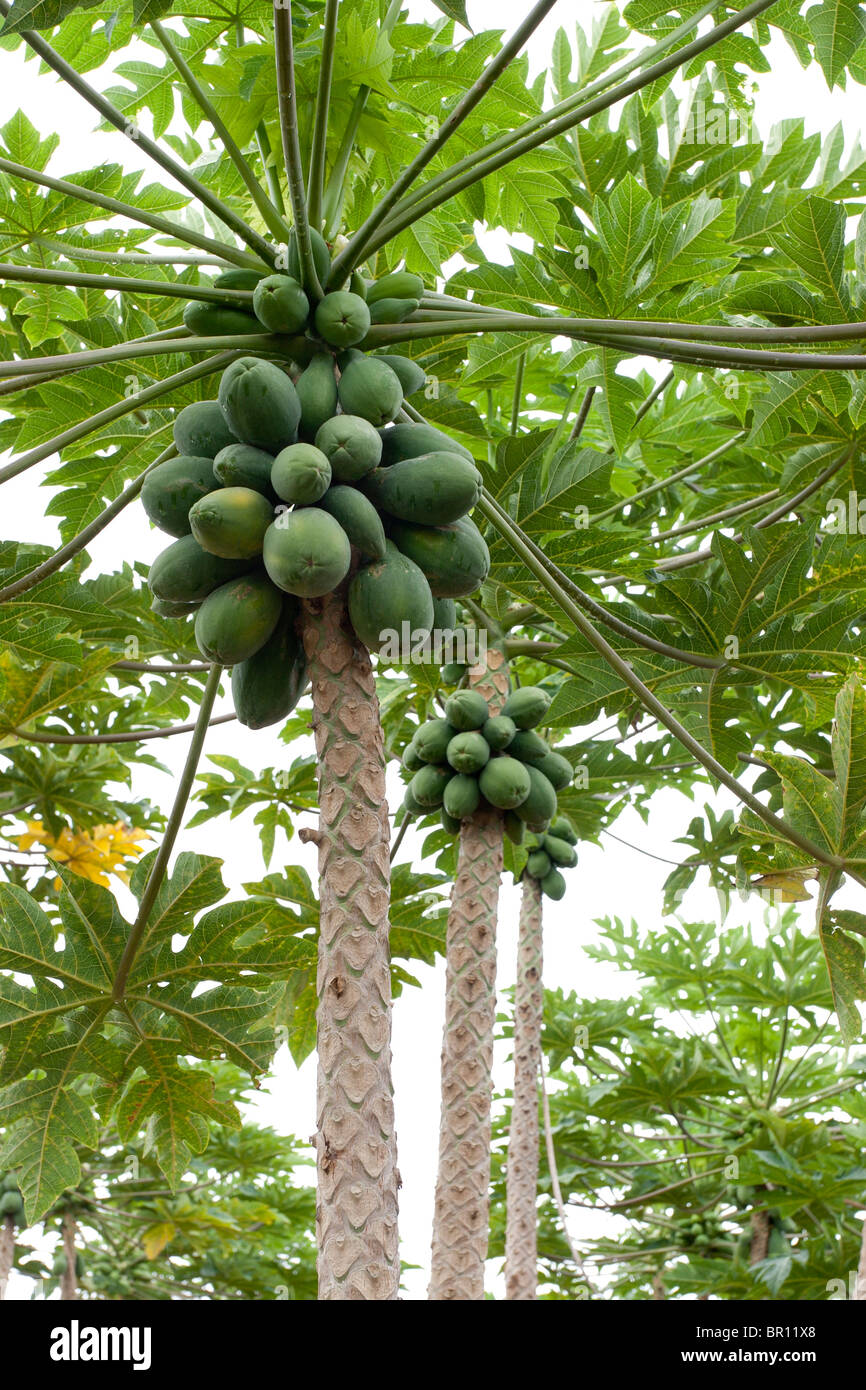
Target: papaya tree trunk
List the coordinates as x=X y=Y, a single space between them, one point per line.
x=69 y=1277
x=760 y=1228
x=521 y=1240
x=7 y=1252
x=460 y=1220
x=356 y=1149
x=860 y=1281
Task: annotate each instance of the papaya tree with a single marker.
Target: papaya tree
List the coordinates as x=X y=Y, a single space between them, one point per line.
x=289 y=262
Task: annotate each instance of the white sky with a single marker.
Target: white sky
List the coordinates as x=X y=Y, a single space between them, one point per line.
x=612 y=880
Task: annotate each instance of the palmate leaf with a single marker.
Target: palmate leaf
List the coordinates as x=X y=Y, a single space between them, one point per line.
x=65 y=1028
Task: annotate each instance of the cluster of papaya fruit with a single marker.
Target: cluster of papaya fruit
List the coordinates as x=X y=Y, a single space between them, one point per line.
x=60 y=1262
x=472 y=760
x=294 y=478
x=549 y=854
x=11 y=1201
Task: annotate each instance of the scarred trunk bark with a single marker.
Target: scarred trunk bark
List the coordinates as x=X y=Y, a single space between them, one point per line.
x=355 y=1142
x=460 y=1221
x=7 y=1252
x=69 y=1277
x=521 y=1242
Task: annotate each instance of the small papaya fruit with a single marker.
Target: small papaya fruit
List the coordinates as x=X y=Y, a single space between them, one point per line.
x=468 y=752
x=557 y=770
x=449 y=822
x=307 y=552
x=462 y=796
x=171 y=608
x=317 y=393
x=539 y=808
x=504 y=782
x=200 y=430
x=499 y=732
x=321 y=257
x=399 y=284
x=454 y=558
x=217 y=320
x=383 y=596
x=237 y=619
x=559 y=852
x=369 y=388
x=453 y=672
x=553 y=885
x=358 y=518
x=231 y=522
x=539 y=864
x=239 y=278
x=432 y=740
x=260 y=404
x=170 y=489
x=528 y=746
x=352 y=446
x=242 y=465
x=445 y=614
x=410 y=441
x=412 y=759
x=301 y=473
x=267 y=686
x=185 y=573
x=563 y=829
x=392 y=310
x=467 y=709
x=412 y=377
x=428 y=785
x=527 y=706
x=342 y=319
x=433 y=490
x=280 y=304
x=11 y=1204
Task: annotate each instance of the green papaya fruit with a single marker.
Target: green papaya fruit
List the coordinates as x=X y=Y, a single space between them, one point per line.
x=242 y=465
x=280 y=304
x=239 y=278
x=432 y=740
x=348 y=355
x=185 y=573
x=217 y=320
x=342 y=319
x=9 y=1183
x=237 y=619
x=317 y=393
x=499 y=732
x=383 y=596
x=563 y=829
x=449 y=823
x=468 y=752
x=453 y=672
x=170 y=489
x=411 y=376
x=231 y=522
x=504 y=782
x=539 y=808
x=411 y=441
x=744 y=1195
x=514 y=827
x=462 y=796
x=301 y=473
x=528 y=746
x=412 y=760
x=553 y=885
x=321 y=257
x=557 y=770
x=560 y=852
x=357 y=284
x=352 y=446
x=200 y=430
x=260 y=404
x=392 y=310
x=432 y=490
x=445 y=614
x=527 y=706
x=369 y=388
x=467 y=709
x=428 y=785
x=358 y=518
x=539 y=864
x=170 y=608
x=307 y=552
x=11 y=1204
x=454 y=558
x=267 y=686
x=399 y=284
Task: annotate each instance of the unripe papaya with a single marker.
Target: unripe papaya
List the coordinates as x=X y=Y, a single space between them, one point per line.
x=563 y=829
x=357 y=284
x=392 y=310
x=11 y=1204
x=468 y=752
x=260 y=404
x=369 y=388
x=348 y=355
x=560 y=852
x=236 y=620
x=239 y=278
x=307 y=552
x=383 y=596
x=527 y=706
x=539 y=808
x=217 y=320
x=242 y=465
x=352 y=445
x=432 y=740
x=280 y=304
x=528 y=746
x=432 y=490
x=453 y=672
x=428 y=785
x=454 y=558
x=412 y=759
x=9 y=1183
x=185 y=573
x=301 y=473
x=462 y=796
x=317 y=393
x=514 y=827
x=410 y=441
x=467 y=709
x=267 y=686
x=321 y=257
x=413 y=807
x=170 y=489
x=358 y=518
x=449 y=823
x=557 y=770
x=445 y=614
x=169 y=608
x=539 y=864
x=231 y=522
x=342 y=319
x=505 y=782
x=499 y=732
x=412 y=377
x=399 y=284
x=200 y=430
x=553 y=885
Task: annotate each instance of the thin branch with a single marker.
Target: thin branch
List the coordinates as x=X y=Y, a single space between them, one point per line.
x=270 y=167
x=288 y=106
x=316 y=182
x=517 y=398
x=399 y=837
x=135 y=737
x=160 y=864
x=705 y=522
x=112 y=257
x=672 y=478
x=336 y=189
x=585 y=406
x=174 y=289
x=152 y=668
x=250 y=343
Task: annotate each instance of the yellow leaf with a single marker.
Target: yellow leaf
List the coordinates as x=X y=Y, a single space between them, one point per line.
x=787 y=885
x=157 y=1237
